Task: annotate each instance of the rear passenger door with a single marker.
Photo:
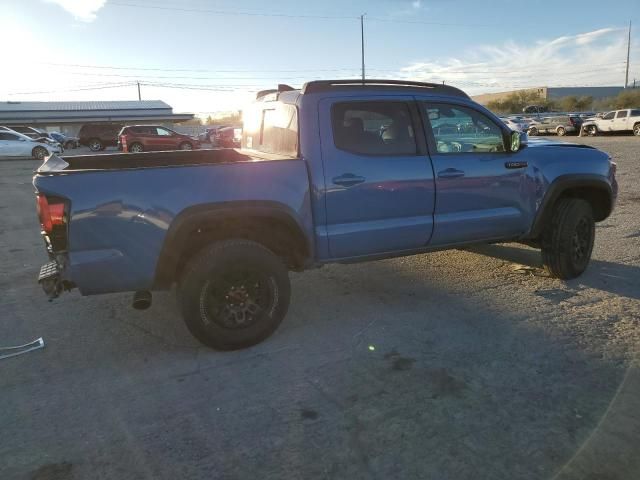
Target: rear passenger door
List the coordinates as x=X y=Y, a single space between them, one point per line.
x=480 y=187
x=379 y=188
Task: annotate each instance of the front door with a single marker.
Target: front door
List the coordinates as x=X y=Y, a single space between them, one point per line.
x=620 y=123
x=162 y=139
x=379 y=188
x=479 y=185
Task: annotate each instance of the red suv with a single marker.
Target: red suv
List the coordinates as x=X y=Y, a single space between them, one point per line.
x=144 y=138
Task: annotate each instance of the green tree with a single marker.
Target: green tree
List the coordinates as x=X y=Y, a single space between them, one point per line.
x=628 y=98
x=516 y=101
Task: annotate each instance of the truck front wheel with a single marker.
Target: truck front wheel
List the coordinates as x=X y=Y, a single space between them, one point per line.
x=567 y=240
x=234 y=294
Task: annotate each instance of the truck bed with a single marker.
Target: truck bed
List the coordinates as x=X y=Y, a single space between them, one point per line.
x=180 y=158
x=122 y=205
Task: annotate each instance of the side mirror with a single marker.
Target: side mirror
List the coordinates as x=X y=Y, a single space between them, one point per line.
x=515 y=142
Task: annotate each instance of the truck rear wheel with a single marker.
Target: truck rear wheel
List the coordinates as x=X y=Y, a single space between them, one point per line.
x=234 y=294
x=567 y=240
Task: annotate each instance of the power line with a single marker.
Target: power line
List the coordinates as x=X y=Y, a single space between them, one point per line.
x=424 y=22
x=234 y=13
x=400 y=70
x=118 y=85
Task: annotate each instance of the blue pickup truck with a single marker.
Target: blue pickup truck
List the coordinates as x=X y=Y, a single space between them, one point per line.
x=337 y=171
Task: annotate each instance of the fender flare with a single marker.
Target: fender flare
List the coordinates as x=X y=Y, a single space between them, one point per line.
x=190 y=218
x=561 y=185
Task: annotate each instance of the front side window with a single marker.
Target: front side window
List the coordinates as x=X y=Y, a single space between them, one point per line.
x=458 y=129
x=373 y=128
x=162 y=131
x=609 y=116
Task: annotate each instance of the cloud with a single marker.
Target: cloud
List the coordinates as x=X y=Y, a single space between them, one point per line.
x=584 y=59
x=83 y=10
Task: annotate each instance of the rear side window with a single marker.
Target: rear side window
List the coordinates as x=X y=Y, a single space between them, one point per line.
x=621 y=114
x=635 y=113
x=8 y=136
x=373 y=128
x=270 y=127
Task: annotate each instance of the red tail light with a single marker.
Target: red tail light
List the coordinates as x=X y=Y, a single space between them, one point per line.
x=49 y=214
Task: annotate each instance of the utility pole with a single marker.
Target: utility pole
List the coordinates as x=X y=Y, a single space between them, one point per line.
x=139 y=96
x=362 y=43
x=626 y=76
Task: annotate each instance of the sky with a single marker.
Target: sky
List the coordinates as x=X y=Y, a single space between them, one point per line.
x=212 y=56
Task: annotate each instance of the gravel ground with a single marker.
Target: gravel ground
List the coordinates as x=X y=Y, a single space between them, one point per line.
x=466 y=364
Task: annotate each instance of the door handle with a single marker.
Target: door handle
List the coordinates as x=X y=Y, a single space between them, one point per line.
x=348 y=180
x=450 y=173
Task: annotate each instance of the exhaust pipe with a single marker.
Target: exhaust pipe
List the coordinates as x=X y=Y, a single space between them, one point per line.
x=141 y=300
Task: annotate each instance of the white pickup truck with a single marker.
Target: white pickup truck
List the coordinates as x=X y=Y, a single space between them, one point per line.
x=616 y=121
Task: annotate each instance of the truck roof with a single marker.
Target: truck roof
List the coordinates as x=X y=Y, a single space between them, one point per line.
x=288 y=94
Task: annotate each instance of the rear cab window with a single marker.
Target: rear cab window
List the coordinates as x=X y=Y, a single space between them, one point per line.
x=271 y=127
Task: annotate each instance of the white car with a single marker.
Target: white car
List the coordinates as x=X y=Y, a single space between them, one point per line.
x=14 y=144
x=616 y=121
x=515 y=125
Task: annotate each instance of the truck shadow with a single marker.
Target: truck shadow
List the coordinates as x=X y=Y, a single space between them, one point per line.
x=616 y=278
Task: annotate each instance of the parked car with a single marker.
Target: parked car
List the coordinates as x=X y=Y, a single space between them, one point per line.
x=212 y=133
x=64 y=140
x=209 y=132
x=626 y=120
x=228 y=137
x=14 y=144
x=318 y=181
x=34 y=133
x=144 y=138
x=535 y=109
x=515 y=125
x=560 y=125
x=98 y=136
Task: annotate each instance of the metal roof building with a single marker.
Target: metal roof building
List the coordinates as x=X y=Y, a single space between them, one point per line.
x=70 y=116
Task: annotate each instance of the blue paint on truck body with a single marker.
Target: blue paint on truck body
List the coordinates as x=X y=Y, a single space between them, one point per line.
x=348 y=206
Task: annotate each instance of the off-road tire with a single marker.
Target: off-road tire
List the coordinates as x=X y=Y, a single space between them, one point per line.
x=567 y=240
x=206 y=276
x=592 y=130
x=636 y=129
x=39 y=153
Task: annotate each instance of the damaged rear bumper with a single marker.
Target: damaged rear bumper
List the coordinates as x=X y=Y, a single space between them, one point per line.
x=51 y=279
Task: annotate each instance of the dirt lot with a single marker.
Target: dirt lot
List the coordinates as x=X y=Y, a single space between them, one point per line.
x=454 y=365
